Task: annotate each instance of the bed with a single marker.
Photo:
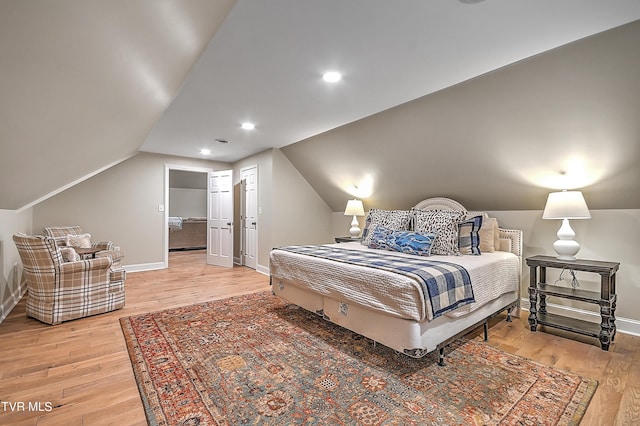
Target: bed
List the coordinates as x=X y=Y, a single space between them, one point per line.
x=187 y=233
x=393 y=308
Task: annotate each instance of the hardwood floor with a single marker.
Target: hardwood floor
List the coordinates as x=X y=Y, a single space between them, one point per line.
x=79 y=372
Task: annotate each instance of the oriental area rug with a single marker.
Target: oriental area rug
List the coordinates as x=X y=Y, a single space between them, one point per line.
x=257 y=360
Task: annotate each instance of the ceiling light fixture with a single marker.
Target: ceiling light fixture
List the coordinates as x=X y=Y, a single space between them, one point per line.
x=332 y=76
x=248 y=126
x=205 y=151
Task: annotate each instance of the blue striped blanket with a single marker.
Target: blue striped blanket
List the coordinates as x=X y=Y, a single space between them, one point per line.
x=446 y=285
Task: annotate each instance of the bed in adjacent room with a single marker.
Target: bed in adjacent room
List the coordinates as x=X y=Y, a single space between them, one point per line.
x=187 y=233
x=419 y=279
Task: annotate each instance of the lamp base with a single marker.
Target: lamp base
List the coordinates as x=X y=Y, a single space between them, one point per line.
x=566 y=246
x=354 y=231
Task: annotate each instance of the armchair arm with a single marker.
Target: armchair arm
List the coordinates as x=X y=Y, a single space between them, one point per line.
x=104 y=245
x=86 y=265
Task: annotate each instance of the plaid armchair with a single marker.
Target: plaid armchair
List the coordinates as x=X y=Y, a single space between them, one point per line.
x=59 y=234
x=61 y=291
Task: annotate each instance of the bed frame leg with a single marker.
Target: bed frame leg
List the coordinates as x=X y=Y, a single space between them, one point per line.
x=441 y=360
x=486 y=331
x=509 y=314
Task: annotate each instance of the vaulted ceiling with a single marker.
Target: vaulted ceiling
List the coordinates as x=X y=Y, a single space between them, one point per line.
x=82 y=83
x=86 y=84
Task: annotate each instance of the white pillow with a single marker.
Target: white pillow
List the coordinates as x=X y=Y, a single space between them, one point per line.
x=80 y=241
x=69 y=254
x=488 y=233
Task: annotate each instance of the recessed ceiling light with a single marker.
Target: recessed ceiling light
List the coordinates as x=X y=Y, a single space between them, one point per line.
x=248 y=126
x=332 y=76
x=205 y=151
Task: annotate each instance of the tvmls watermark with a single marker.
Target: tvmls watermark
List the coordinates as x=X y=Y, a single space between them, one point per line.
x=30 y=406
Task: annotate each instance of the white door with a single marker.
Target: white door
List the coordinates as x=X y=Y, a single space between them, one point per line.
x=220 y=218
x=250 y=216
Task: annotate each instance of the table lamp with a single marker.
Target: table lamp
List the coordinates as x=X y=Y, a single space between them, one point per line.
x=355 y=208
x=566 y=205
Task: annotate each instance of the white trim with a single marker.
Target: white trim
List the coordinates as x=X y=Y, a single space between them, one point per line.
x=11 y=302
x=263 y=269
x=141 y=267
x=623 y=325
x=75 y=182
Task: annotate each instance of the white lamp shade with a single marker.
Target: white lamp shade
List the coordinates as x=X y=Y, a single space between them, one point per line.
x=566 y=205
x=354 y=208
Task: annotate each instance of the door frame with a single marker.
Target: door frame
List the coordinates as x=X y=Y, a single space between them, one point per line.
x=165 y=232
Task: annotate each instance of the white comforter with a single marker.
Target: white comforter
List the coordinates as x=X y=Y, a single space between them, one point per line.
x=492 y=274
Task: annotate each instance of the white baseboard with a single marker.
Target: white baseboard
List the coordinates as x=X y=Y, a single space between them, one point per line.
x=161 y=265
x=11 y=302
x=262 y=269
x=623 y=325
x=141 y=267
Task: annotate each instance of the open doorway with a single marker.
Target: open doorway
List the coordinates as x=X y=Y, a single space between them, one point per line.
x=185 y=209
x=187 y=212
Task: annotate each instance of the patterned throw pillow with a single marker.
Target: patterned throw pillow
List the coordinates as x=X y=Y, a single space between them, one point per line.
x=408 y=242
x=81 y=241
x=395 y=220
x=379 y=235
x=469 y=236
x=443 y=223
x=69 y=254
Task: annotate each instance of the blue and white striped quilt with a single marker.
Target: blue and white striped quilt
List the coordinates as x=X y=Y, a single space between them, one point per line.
x=446 y=285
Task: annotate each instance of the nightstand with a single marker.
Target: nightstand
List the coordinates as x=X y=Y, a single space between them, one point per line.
x=606 y=298
x=347 y=239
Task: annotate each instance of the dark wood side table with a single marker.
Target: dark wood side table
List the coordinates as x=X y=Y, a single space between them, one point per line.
x=606 y=298
x=87 y=253
x=347 y=239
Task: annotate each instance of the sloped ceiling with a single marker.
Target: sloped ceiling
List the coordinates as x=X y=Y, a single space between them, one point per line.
x=82 y=82
x=265 y=63
x=86 y=84
x=565 y=119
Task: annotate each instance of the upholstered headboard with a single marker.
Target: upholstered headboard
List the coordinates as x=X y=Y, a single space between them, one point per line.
x=439 y=203
x=510 y=239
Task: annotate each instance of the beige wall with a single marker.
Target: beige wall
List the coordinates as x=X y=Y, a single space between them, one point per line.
x=300 y=216
x=11 y=285
x=121 y=205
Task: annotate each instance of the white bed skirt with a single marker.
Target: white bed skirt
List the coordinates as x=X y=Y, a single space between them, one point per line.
x=406 y=336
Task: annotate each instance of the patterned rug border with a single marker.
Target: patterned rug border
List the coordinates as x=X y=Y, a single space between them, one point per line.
x=151 y=402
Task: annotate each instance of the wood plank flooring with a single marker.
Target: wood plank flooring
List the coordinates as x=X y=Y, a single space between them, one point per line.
x=79 y=372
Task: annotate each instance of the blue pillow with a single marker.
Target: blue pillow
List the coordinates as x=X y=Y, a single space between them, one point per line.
x=379 y=235
x=468 y=236
x=415 y=243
